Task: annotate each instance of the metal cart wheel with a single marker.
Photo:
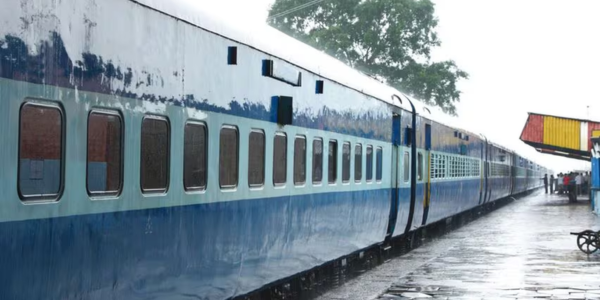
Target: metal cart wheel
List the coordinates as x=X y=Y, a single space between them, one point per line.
x=587 y=241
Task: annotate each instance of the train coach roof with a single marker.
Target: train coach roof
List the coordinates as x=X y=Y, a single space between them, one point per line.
x=270 y=40
x=276 y=43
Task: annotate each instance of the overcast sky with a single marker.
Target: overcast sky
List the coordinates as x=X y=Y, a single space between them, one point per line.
x=522 y=56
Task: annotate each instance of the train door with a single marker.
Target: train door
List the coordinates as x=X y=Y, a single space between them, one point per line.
x=488 y=172
x=486 y=167
x=481 y=171
x=396 y=177
x=425 y=170
x=512 y=173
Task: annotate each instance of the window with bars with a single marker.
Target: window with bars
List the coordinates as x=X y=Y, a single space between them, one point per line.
x=438 y=166
x=499 y=170
x=476 y=168
x=454 y=167
x=446 y=166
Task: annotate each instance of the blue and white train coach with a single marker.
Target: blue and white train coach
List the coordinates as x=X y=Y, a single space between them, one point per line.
x=151 y=152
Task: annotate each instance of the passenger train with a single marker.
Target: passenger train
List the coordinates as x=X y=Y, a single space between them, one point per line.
x=152 y=151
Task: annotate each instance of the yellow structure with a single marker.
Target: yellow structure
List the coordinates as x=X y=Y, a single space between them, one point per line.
x=560 y=136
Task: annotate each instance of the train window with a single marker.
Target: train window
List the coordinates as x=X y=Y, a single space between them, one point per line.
x=256 y=158
x=154 y=158
x=369 y=163
x=317 y=161
x=280 y=159
x=406 y=166
x=300 y=160
x=104 y=153
x=358 y=162
x=346 y=162
x=228 y=157
x=41 y=152
x=195 y=156
x=419 y=166
x=332 y=162
x=379 y=158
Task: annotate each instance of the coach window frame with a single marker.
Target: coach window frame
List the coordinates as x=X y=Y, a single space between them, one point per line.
x=369 y=175
x=230 y=187
x=332 y=164
x=255 y=186
x=358 y=166
x=378 y=165
x=197 y=189
x=349 y=164
x=298 y=172
x=313 y=173
x=33 y=199
x=168 y=149
x=285 y=160
x=419 y=166
x=406 y=166
x=109 y=194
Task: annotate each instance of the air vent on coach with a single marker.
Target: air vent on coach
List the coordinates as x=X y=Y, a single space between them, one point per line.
x=282 y=110
x=232 y=56
x=282 y=71
x=319 y=87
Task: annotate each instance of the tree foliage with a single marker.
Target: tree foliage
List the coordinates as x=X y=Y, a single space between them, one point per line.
x=390 y=39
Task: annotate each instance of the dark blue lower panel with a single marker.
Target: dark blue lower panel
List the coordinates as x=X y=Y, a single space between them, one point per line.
x=450 y=198
x=520 y=185
x=210 y=251
x=500 y=187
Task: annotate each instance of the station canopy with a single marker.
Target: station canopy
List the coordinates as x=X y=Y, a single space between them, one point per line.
x=560 y=136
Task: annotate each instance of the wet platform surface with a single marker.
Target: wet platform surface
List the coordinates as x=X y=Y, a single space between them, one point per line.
x=520 y=251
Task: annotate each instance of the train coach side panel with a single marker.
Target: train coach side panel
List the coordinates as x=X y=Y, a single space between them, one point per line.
x=120 y=56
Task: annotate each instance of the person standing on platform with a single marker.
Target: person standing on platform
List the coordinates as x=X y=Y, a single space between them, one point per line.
x=578 y=183
x=573 y=187
x=584 y=186
x=559 y=183
x=566 y=183
x=551 y=183
x=546 y=182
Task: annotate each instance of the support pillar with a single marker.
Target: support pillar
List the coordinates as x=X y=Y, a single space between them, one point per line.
x=595 y=179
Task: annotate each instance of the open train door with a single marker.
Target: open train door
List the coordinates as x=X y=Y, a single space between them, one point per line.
x=513 y=173
x=396 y=155
x=488 y=172
x=483 y=188
x=424 y=171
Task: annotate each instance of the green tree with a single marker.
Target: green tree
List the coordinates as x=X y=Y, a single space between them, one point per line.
x=390 y=39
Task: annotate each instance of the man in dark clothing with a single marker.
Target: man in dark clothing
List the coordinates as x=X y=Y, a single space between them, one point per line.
x=572 y=187
x=546 y=182
x=552 y=184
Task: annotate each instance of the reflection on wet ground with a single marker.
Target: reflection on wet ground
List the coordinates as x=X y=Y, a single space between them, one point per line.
x=521 y=251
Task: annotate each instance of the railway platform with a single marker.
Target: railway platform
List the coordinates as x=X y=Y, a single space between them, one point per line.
x=521 y=251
